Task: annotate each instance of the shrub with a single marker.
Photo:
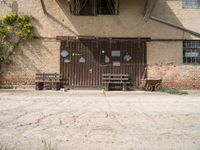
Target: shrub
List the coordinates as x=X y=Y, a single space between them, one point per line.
x=14 y=29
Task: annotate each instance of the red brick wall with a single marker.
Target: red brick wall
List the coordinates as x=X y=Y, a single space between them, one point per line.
x=182 y=77
x=11 y=80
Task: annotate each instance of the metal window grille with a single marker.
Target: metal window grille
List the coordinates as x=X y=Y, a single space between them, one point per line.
x=106 y=7
x=191 y=3
x=191 y=52
x=95 y=7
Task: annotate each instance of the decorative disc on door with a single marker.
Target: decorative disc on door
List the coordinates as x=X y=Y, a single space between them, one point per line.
x=64 y=53
x=82 y=60
x=67 y=61
x=127 y=58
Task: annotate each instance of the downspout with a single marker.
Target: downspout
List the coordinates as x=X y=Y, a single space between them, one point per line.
x=170 y=23
x=43 y=7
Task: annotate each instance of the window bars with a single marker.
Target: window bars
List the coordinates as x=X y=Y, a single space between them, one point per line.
x=94 y=7
x=191 y=3
x=191 y=52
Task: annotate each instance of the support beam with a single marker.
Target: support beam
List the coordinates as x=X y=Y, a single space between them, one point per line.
x=170 y=23
x=174 y=25
x=145 y=7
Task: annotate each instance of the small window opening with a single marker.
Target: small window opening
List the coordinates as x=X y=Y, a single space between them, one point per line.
x=106 y=7
x=191 y=3
x=94 y=7
x=191 y=52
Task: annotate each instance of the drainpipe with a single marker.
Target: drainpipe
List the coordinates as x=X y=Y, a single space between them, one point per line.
x=170 y=23
x=43 y=7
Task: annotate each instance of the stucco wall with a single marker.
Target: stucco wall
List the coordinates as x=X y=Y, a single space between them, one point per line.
x=129 y=23
x=164 y=52
x=164 y=58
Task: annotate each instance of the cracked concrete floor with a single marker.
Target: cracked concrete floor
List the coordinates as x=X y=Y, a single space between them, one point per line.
x=94 y=120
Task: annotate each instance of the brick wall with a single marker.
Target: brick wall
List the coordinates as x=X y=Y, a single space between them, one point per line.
x=183 y=77
x=36 y=56
x=165 y=61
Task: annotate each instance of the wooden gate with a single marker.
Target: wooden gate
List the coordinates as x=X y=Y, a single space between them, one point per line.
x=84 y=61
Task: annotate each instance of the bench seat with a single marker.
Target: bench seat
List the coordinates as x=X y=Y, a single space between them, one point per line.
x=115 y=79
x=49 y=80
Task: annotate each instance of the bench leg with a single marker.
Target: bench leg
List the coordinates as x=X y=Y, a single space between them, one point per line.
x=107 y=87
x=39 y=86
x=56 y=86
x=125 y=88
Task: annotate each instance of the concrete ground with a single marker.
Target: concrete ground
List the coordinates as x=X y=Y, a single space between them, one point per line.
x=94 y=120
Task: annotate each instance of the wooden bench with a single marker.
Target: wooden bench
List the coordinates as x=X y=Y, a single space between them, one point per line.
x=48 y=81
x=115 y=79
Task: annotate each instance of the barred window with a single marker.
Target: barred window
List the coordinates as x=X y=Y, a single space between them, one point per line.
x=94 y=7
x=84 y=7
x=191 y=3
x=106 y=7
x=191 y=52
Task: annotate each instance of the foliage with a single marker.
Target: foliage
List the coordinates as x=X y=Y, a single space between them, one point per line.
x=14 y=29
x=173 y=91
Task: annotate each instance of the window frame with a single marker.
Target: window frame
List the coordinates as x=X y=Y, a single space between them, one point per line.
x=191 y=4
x=94 y=8
x=192 y=47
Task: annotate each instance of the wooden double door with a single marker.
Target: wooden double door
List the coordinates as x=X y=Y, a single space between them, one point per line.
x=83 y=61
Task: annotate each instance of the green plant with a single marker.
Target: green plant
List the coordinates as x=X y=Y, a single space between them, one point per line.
x=173 y=91
x=14 y=29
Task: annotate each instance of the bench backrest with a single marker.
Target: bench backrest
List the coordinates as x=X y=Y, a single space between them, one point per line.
x=48 y=76
x=115 y=77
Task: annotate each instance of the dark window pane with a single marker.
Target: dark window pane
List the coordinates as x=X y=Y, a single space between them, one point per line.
x=106 y=7
x=84 y=7
x=95 y=7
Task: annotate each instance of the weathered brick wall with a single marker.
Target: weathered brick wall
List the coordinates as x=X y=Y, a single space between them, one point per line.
x=165 y=62
x=36 y=56
x=183 y=77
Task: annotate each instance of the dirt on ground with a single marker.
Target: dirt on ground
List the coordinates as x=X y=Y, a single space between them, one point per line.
x=97 y=120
